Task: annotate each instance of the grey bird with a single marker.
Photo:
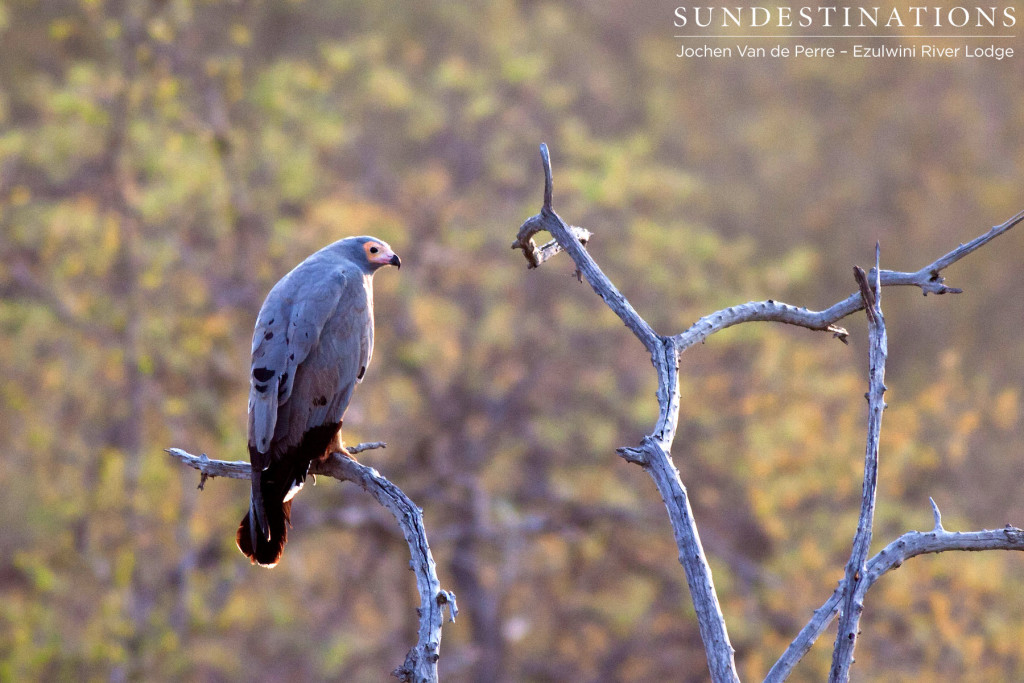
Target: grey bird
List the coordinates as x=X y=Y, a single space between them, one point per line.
x=312 y=345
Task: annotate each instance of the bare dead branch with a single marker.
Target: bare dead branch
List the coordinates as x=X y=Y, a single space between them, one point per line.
x=366 y=446
x=767 y=311
x=421 y=663
x=524 y=239
x=928 y=279
x=654 y=451
x=235 y=469
x=910 y=544
x=537 y=255
x=853 y=598
x=548 y=220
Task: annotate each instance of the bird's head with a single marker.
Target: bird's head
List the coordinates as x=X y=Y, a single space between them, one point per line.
x=372 y=253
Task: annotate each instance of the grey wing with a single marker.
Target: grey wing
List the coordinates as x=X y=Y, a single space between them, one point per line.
x=269 y=353
x=324 y=382
x=287 y=329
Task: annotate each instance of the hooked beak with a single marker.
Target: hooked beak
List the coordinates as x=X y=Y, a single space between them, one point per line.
x=395 y=261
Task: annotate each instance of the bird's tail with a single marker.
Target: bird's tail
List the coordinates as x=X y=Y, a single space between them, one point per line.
x=262 y=541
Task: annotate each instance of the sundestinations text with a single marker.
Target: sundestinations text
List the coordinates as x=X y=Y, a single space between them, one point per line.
x=832 y=16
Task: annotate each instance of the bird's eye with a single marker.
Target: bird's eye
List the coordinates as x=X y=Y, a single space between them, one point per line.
x=374 y=250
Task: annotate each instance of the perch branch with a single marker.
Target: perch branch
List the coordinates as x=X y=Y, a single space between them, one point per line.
x=421 y=663
x=910 y=544
x=853 y=598
x=928 y=279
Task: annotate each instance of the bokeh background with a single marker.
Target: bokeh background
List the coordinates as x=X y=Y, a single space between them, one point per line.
x=162 y=164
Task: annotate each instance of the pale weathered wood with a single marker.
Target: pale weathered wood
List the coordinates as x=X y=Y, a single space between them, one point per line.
x=654 y=452
x=420 y=664
x=927 y=278
x=910 y=544
x=856 y=567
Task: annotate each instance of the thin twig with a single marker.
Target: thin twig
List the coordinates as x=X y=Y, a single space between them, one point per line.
x=927 y=278
x=367 y=446
x=936 y=515
x=421 y=663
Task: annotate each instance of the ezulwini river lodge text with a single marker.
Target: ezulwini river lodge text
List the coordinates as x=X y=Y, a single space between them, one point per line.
x=881 y=51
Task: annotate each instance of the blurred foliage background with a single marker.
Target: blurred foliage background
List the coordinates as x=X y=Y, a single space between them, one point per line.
x=162 y=164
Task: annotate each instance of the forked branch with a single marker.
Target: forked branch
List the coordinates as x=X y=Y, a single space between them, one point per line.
x=421 y=663
x=653 y=453
x=910 y=544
